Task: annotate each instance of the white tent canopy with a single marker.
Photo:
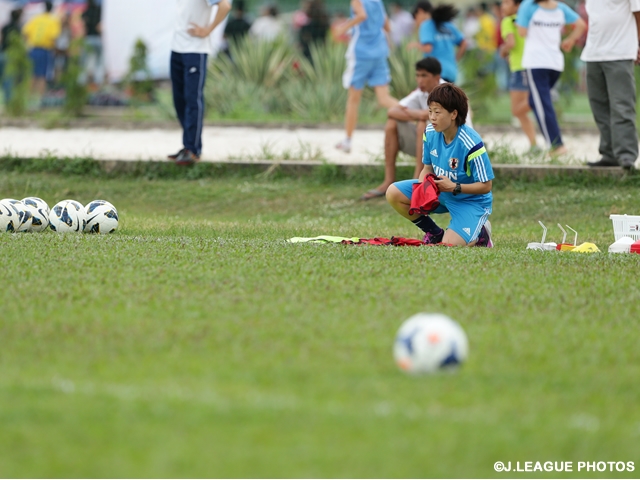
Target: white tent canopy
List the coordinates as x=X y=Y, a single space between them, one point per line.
x=153 y=21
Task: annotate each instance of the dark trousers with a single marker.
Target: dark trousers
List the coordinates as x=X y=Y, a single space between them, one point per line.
x=541 y=81
x=612 y=95
x=188 y=74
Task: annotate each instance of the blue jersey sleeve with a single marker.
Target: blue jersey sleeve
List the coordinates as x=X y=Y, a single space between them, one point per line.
x=569 y=15
x=525 y=13
x=427 y=139
x=427 y=33
x=478 y=165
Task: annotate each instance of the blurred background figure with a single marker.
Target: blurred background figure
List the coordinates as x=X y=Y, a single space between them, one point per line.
x=402 y=23
x=486 y=38
x=237 y=26
x=11 y=28
x=513 y=48
x=471 y=26
x=299 y=17
x=61 y=55
x=267 y=27
x=439 y=37
x=41 y=33
x=93 y=69
x=541 y=23
x=316 y=28
x=338 y=35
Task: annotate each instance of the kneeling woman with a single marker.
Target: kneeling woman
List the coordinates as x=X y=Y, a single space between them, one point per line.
x=455 y=153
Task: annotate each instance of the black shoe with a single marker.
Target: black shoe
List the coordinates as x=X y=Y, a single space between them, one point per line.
x=629 y=167
x=174 y=157
x=187 y=157
x=604 y=162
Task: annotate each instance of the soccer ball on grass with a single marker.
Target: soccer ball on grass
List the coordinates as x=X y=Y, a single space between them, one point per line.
x=67 y=216
x=428 y=342
x=39 y=211
x=101 y=217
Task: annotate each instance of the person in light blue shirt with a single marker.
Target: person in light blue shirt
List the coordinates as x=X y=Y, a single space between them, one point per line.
x=366 y=61
x=541 y=23
x=456 y=154
x=439 y=37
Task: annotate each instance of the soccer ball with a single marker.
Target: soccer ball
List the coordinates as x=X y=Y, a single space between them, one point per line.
x=428 y=342
x=23 y=222
x=11 y=215
x=67 y=216
x=39 y=211
x=102 y=217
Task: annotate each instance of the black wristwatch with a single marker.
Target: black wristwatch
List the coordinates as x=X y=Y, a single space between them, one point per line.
x=457 y=189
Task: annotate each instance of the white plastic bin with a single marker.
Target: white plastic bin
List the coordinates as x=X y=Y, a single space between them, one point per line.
x=626 y=226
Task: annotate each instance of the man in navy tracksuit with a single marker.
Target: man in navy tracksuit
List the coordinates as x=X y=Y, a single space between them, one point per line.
x=189 y=69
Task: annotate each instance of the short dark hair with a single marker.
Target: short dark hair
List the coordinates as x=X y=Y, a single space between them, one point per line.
x=424 y=5
x=429 y=64
x=451 y=98
x=48 y=6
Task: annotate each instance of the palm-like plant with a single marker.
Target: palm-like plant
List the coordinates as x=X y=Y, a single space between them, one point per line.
x=402 y=63
x=261 y=63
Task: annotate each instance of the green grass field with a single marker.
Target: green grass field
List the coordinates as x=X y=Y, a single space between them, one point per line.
x=195 y=342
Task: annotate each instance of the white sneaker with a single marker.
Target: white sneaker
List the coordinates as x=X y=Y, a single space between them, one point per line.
x=484 y=240
x=344 y=145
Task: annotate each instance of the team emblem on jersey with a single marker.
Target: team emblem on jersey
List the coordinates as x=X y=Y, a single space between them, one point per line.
x=453 y=163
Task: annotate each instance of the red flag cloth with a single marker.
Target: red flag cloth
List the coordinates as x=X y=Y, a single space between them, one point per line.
x=424 y=198
x=395 y=241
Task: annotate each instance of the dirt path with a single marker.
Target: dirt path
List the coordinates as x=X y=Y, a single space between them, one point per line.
x=242 y=143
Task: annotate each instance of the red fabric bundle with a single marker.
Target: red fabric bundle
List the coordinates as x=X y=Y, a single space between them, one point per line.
x=395 y=241
x=424 y=199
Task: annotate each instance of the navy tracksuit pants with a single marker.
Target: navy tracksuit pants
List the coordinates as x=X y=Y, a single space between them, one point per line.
x=188 y=74
x=541 y=81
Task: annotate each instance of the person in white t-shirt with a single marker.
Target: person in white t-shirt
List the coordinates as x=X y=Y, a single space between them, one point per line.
x=542 y=22
x=406 y=123
x=189 y=52
x=267 y=27
x=610 y=52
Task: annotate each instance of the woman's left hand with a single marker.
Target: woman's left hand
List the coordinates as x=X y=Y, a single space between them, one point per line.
x=445 y=184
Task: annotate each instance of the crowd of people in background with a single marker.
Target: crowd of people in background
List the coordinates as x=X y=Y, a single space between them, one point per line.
x=50 y=35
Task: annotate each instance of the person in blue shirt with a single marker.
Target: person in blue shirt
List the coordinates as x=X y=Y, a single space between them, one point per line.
x=439 y=37
x=455 y=153
x=366 y=60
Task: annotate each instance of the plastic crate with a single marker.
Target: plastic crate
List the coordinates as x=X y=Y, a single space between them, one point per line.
x=626 y=226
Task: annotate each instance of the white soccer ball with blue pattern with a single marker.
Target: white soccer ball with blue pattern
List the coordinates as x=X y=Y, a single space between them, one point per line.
x=11 y=215
x=40 y=212
x=102 y=217
x=23 y=223
x=67 y=216
x=429 y=342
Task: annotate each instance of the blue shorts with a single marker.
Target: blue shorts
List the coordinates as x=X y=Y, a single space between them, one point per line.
x=518 y=81
x=42 y=60
x=467 y=217
x=359 y=73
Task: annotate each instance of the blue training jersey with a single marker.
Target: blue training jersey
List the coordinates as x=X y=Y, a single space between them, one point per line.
x=368 y=39
x=464 y=160
x=444 y=41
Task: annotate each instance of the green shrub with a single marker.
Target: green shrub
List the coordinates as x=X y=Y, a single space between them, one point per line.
x=18 y=71
x=267 y=64
x=402 y=63
x=478 y=82
x=139 y=79
x=76 y=93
